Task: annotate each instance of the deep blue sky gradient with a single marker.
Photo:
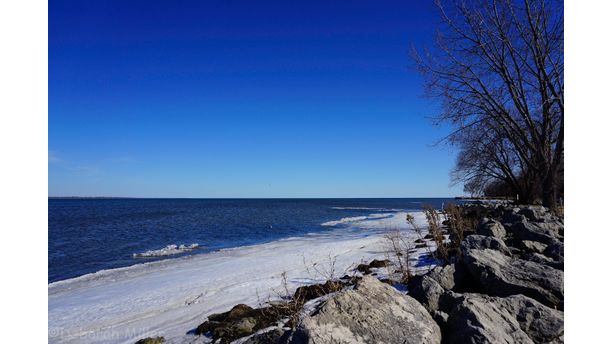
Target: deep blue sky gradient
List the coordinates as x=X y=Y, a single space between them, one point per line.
x=241 y=99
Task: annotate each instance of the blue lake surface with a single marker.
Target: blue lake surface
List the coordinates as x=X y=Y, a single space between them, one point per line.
x=88 y=235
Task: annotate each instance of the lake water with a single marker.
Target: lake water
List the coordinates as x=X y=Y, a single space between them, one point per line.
x=88 y=235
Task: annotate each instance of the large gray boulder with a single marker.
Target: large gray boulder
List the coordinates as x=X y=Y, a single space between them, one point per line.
x=427 y=291
x=446 y=276
x=373 y=312
x=501 y=275
x=542 y=324
x=555 y=251
x=542 y=259
x=481 y=242
x=511 y=215
x=536 y=213
x=453 y=277
x=544 y=232
x=531 y=246
x=437 y=290
x=489 y=227
x=514 y=319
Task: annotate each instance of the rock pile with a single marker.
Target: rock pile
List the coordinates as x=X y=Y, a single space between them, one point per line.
x=504 y=286
x=507 y=284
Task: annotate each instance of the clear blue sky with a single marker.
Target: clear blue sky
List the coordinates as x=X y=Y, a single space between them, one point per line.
x=241 y=99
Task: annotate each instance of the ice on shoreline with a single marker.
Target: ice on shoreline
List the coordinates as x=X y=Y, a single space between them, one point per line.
x=166 y=251
x=171 y=297
x=345 y=220
x=367 y=208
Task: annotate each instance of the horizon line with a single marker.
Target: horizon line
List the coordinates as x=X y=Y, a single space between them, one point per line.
x=138 y=197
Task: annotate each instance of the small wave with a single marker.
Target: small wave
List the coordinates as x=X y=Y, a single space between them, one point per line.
x=355 y=219
x=166 y=251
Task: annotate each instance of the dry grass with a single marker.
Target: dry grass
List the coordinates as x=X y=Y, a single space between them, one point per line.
x=282 y=305
x=398 y=253
x=456 y=224
x=412 y=222
x=434 y=226
x=322 y=272
x=287 y=306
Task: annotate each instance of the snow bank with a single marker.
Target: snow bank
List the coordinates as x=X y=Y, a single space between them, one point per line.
x=173 y=296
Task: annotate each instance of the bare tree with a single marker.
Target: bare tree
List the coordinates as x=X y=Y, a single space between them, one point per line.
x=487 y=158
x=497 y=67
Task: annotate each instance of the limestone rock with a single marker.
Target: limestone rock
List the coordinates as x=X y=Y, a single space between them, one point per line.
x=501 y=275
x=373 y=312
x=535 y=213
x=492 y=228
x=427 y=291
x=542 y=259
x=555 y=251
x=480 y=242
x=444 y=275
x=514 y=319
x=545 y=232
x=533 y=246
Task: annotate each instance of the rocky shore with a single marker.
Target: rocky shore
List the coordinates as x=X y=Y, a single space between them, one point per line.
x=502 y=284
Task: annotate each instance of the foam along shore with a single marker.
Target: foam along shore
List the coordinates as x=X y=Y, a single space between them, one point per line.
x=171 y=297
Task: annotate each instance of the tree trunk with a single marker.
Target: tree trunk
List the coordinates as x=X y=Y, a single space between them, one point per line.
x=525 y=194
x=549 y=190
x=527 y=191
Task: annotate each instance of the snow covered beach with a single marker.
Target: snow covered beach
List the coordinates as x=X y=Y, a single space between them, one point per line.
x=171 y=297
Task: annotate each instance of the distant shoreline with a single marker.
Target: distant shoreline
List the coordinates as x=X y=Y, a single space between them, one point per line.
x=253 y=198
x=479 y=198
